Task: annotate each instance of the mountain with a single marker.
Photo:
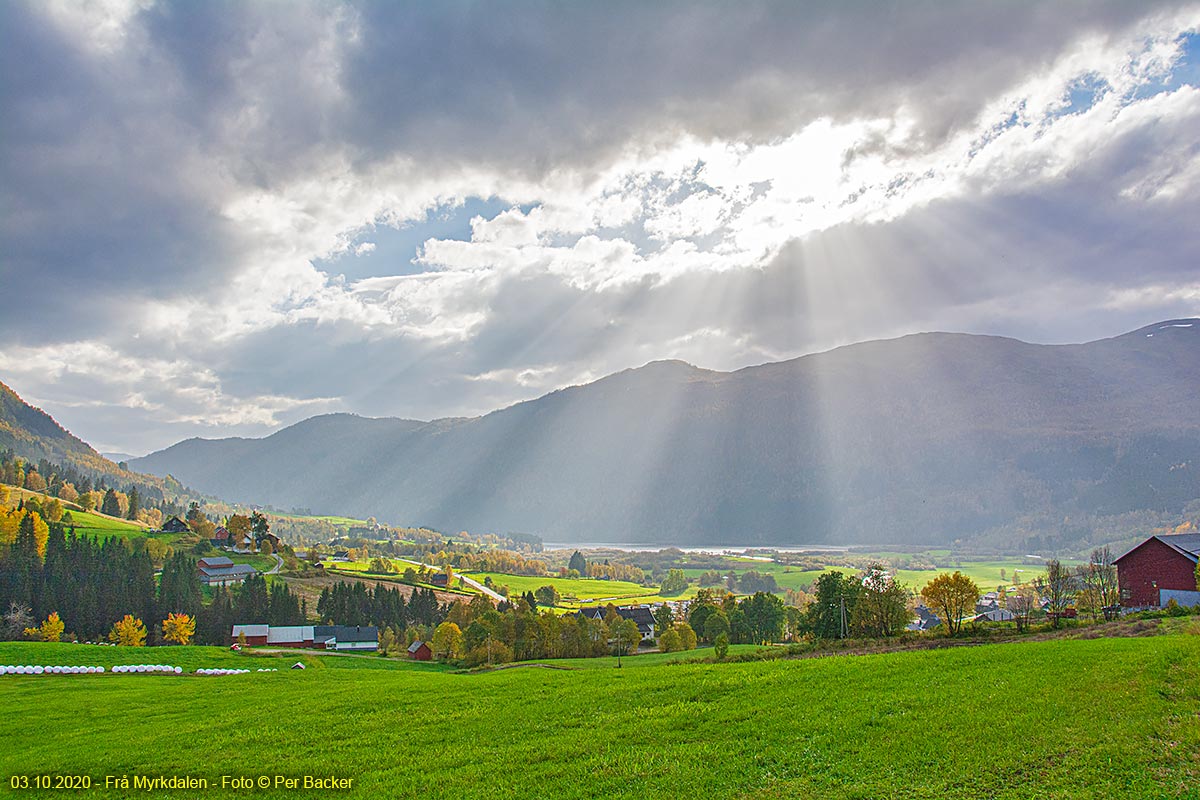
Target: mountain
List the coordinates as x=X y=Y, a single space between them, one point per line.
x=929 y=438
x=33 y=434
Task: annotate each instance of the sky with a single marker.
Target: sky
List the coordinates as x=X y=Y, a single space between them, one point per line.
x=218 y=219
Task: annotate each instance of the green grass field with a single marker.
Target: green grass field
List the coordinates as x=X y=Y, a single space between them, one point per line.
x=1105 y=718
x=585 y=591
x=985 y=573
x=193 y=657
x=86 y=523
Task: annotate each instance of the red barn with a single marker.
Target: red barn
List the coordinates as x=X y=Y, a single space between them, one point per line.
x=420 y=651
x=1160 y=562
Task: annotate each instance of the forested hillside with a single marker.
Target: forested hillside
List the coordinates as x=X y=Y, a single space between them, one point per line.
x=931 y=438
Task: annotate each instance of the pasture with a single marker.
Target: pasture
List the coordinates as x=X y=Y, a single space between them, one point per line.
x=987 y=574
x=1029 y=720
x=577 y=592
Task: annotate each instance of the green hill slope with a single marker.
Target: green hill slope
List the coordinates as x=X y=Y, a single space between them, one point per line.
x=1105 y=718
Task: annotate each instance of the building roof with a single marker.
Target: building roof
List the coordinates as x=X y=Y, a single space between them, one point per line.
x=221 y=532
x=251 y=630
x=345 y=633
x=1186 y=544
x=289 y=634
x=225 y=573
x=215 y=562
x=639 y=614
x=174 y=525
x=417 y=645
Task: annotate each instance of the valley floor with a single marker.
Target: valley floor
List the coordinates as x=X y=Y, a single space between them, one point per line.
x=1109 y=717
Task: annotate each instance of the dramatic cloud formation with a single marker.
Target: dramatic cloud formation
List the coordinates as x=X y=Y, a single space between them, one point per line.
x=221 y=218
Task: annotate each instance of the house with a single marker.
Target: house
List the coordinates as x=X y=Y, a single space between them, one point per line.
x=220 y=536
x=440 y=580
x=419 y=651
x=1164 y=562
x=256 y=635
x=220 y=571
x=996 y=615
x=926 y=620
x=639 y=614
x=175 y=525
x=346 y=637
x=984 y=606
x=273 y=539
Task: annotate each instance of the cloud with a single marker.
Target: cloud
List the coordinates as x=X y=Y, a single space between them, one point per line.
x=721 y=185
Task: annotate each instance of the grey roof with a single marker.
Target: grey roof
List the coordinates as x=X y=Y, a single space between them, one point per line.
x=345 y=633
x=225 y=573
x=415 y=646
x=1186 y=544
x=251 y=630
x=639 y=614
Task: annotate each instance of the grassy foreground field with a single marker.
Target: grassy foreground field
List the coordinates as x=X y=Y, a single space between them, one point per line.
x=1060 y=719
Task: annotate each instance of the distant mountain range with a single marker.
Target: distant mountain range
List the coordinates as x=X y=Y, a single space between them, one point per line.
x=927 y=439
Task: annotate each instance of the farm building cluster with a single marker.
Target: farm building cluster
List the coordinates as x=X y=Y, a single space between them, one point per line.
x=320 y=637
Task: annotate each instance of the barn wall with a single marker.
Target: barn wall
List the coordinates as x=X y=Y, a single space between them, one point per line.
x=1149 y=567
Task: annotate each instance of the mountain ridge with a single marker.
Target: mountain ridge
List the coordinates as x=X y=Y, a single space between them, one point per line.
x=931 y=437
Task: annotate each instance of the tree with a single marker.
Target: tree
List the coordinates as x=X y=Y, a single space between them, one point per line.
x=687 y=636
x=178 y=628
x=547 y=596
x=110 y=505
x=764 y=617
x=716 y=626
x=721 y=646
x=135 y=503
x=387 y=641
x=259 y=525
x=238 y=526
x=1056 y=588
x=1022 y=601
x=578 y=563
x=50 y=630
x=17 y=619
x=663 y=617
x=953 y=597
x=625 y=637
x=668 y=641
x=34 y=482
x=675 y=583
x=882 y=605
x=1099 y=580
x=447 y=641
x=834 y=592
x=130 y=632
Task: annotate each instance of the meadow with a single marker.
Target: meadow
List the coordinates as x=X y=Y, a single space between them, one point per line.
x=578 y=592
x=86 y=523
x=988 y=574
x=1102 y=718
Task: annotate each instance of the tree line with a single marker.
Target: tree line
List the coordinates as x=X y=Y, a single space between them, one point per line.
x=90 y=584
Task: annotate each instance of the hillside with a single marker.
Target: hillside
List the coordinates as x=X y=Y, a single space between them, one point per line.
x=32 y=434
x=898 y=725
x=926 y=439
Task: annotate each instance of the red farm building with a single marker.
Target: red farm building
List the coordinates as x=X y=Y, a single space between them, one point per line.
x=1158 y=568
x=419 y=651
